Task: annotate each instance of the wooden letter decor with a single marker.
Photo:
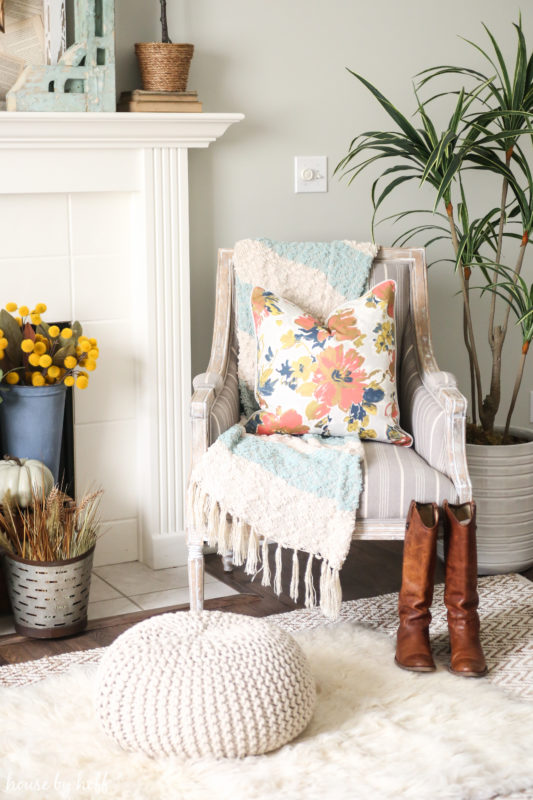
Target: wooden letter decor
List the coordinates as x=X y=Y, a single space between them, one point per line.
x=84 y=77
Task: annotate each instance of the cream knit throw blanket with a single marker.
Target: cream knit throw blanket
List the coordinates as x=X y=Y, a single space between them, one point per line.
x=301 y=492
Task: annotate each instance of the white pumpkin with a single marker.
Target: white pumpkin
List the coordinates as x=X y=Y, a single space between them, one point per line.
x=18 y=475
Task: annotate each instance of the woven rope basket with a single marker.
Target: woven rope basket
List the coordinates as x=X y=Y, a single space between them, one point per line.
x=164 y=67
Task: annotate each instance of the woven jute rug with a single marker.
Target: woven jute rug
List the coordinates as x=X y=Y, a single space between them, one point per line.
x=506 y=612
x=377 y=733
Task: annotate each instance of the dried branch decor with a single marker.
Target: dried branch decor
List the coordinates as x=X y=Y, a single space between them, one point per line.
x=54 y=528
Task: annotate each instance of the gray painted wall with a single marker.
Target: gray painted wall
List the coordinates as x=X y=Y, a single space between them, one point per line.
x=282 y=63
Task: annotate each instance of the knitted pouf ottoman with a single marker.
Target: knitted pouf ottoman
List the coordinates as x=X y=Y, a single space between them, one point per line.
x=204 y=685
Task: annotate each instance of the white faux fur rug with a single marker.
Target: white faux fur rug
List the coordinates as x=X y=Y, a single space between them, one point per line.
x=378 y=733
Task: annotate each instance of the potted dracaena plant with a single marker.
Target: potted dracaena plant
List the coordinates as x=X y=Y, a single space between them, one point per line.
x=489 y=130
x=164 y=65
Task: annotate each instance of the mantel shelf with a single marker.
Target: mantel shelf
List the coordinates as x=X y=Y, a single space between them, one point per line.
x=22 y=130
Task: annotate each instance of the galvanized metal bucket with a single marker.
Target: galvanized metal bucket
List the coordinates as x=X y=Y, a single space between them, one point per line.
x=49 y=598
x=31 y=422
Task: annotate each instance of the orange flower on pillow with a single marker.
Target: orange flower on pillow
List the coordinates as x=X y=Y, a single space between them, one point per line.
x=344 y=328
x=339 y=378
x=385 y=291
x=289 y=422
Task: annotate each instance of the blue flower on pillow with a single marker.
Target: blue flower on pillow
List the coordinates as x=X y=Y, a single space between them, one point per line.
x=287 y=373
x=373 y=395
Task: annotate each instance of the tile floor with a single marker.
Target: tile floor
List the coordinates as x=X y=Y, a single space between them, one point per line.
x=132 y=586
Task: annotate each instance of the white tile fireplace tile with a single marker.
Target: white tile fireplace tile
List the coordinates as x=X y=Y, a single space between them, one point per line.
x=37 y=280
x=102 y=285
x=111 y=391
x=105 y=455
x=101 y=223
x=33 y=225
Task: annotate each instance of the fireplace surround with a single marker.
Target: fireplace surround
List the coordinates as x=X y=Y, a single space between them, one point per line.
x=94 y=221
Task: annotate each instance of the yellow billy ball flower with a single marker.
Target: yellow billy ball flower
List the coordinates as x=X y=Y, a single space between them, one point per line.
x=27 y=345
x=84 y=346
x=40 y=308
x=93 y=353
x=53 y=331
x=45 y=361
x=37 y=379
x=1 y=332
x=18 y=320
x=2 y=354
x=12 y=378
x=66 y=333
x=34 y=359
x=90 y=364
x=82 y=382
x=24 y=311
x=70 y=362
x=69 y=381
x=35 y=319
x=53 y=371
x=39 y=348
x=11 y=306
x=93 y=342
x=3 y=343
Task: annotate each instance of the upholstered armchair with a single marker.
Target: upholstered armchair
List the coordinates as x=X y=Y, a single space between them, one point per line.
x=431 y=408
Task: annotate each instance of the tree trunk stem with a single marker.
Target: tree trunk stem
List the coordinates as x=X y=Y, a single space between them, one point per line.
x=516 y=389
x=467 y=312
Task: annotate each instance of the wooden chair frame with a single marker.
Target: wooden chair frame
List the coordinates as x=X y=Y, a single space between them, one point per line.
x=441 y=386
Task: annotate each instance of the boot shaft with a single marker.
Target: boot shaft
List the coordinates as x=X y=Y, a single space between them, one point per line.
x=419 y=559
x=460 y=556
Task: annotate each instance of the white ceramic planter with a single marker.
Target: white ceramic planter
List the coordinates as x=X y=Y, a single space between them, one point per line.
x=502 y=485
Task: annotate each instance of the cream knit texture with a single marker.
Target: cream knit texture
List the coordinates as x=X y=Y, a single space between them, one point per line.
x=211 y=684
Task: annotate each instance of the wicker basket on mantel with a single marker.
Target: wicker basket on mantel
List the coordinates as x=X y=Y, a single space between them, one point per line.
x=164 y=66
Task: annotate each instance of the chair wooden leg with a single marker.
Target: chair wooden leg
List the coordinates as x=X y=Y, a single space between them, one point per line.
x=196 y=576
x=227 y=562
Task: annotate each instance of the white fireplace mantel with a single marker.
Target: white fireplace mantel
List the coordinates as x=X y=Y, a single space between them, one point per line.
x=66 y=178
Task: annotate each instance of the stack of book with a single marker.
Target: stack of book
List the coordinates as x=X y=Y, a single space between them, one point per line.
x=140 y=100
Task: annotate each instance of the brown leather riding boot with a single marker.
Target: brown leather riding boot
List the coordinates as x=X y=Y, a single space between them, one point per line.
x=413 y=650
x=460 y=591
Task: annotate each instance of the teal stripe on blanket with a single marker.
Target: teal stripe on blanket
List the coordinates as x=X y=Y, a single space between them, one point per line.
x=345 y=267
x=245 y=320
x=324 y=471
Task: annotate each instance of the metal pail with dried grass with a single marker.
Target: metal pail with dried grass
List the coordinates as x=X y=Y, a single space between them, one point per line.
x=49 y=598
x=164 y=66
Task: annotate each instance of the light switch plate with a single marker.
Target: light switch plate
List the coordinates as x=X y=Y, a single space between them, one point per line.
x=310 y=174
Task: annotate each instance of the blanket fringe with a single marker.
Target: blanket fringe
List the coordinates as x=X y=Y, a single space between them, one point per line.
x=295 y=577
x=235 y=536
x=252 y=556
x=266 y=564
x=277 y=577
x=310 y=595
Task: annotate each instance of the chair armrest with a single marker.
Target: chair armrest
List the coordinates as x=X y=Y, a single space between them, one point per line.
x=215 y=400
x=432 y=407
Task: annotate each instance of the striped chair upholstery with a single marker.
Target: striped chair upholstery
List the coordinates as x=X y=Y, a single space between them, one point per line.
x=431 y=409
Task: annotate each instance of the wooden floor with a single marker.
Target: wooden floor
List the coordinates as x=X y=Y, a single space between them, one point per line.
x=372 y=568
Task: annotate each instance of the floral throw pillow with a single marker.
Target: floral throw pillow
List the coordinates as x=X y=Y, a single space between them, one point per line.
x=338 y=379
